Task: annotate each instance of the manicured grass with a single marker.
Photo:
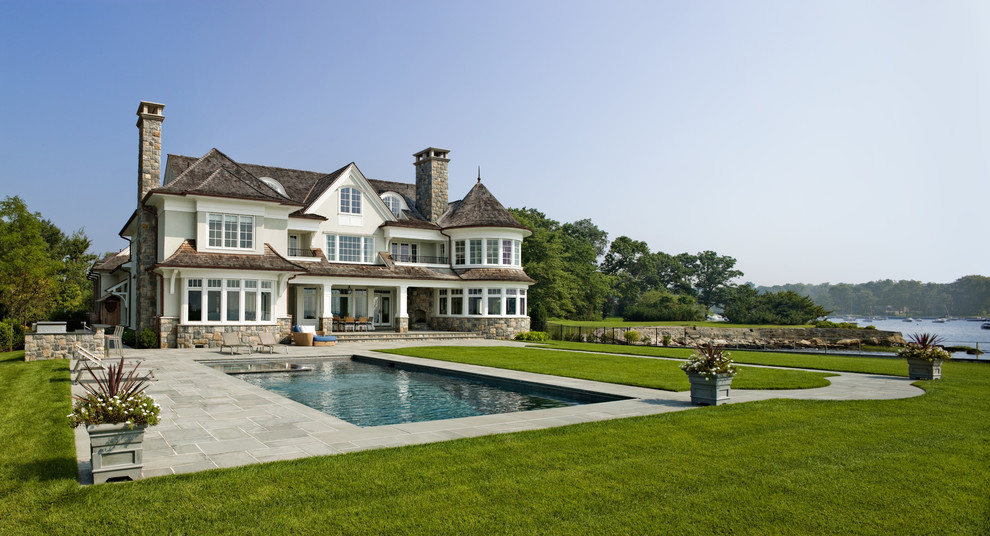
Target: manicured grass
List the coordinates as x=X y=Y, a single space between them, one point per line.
x=868 y=365
x=653 y=373
x=612 y=322
x=912 y=466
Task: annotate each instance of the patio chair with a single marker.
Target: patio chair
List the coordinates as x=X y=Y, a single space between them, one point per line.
x=363 y=323
x=267 y=339
x=350 y=323
x=113 y=341
x=84 y=356
x=233 y=340
x=338 y=323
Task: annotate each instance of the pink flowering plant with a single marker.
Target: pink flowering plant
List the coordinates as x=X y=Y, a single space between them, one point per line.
x=709 y=360
x=116 y=398
x=924 y=346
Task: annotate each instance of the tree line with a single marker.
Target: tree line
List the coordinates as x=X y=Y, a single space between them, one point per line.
x=966 y=296
x=42 y=272
x=580 y=275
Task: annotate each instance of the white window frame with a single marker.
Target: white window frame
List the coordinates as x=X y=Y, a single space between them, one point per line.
x=261 y=289
x=365 y=248
x=238 y=229
x=350 y=200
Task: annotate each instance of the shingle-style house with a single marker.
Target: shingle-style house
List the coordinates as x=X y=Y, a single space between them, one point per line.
x=220 y=245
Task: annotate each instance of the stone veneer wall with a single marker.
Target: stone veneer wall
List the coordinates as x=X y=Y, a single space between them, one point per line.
x=168 y=331
x=743 y=337
x=144 y=245
x=39 y=346
x=431 y=185
x=210 y=336
x=490 y=327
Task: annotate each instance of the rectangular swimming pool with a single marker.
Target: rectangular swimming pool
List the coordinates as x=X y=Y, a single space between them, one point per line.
x=368 y=391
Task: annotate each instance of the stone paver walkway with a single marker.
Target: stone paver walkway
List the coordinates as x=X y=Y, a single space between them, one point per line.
x=211 y=420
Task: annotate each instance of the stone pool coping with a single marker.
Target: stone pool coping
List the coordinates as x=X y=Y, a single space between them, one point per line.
x=211 y=420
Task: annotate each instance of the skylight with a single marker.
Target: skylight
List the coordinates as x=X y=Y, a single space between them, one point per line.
x=274 y=185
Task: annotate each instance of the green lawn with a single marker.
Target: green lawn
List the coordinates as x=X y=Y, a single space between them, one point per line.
x=870 y=365
x=913 y=466
x=627 y=370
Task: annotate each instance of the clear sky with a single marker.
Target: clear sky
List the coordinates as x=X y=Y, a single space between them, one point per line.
x=831 y=141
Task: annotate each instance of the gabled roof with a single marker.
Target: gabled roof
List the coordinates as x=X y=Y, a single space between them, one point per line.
x=216 y=174
x=479 y=208
x=186 y=256
x=494 y=274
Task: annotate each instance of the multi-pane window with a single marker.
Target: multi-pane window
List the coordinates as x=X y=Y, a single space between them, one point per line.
x=393 y=203
x=229 y=300
x=230 y=231
x=350 y=201
x=494 y=301
x=350 y=248
x=340 y=301
x=456 y=301
x=459 y=252
x=510 y=301
x=491 y=250
x=402 y=252
x=346 y=248
x=516 y=252
x=443 y=301
x=474 y=301
x=522 y=301
x=476 y=251
x=507 y=252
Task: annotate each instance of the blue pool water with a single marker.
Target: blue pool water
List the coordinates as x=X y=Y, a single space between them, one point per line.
x=371 y=394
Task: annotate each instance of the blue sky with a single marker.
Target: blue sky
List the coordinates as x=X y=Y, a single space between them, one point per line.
x=838 y=141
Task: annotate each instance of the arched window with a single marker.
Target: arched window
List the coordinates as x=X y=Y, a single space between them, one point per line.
x=394 y=203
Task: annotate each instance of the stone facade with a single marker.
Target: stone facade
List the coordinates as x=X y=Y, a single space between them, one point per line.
x=210 y=336
x=489 y=327
x=431 y=182
x=167 y=331
x=39 y=346
x=420 y=307
x=144 y=243
x=740 y=337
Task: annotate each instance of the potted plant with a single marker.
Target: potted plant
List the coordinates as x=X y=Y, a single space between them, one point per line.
x=116 y=412
x=710 y=371
x=924 y=356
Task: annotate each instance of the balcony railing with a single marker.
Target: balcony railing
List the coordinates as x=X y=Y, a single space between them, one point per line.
x=301 y=252
x=421 y=259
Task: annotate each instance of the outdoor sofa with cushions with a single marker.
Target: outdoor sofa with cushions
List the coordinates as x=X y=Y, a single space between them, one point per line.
x=308 y=336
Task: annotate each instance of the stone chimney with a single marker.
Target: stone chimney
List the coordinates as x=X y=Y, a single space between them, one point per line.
x=431 y=182
x=150 y=146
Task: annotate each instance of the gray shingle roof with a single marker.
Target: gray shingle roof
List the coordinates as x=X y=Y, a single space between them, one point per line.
x=479 y=208
x=112 y=261
x=186 y=256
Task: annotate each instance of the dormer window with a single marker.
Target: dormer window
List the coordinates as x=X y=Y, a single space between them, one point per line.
x=394 y=203
x=350 y=201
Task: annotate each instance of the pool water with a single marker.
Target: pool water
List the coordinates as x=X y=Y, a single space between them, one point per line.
x=372 y=394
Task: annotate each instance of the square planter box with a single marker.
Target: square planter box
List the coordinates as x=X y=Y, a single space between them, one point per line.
x=710 y=392
x=116 y=451
x=920 y=369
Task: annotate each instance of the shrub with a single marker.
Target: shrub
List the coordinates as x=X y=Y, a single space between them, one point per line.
x=148 y=338
x=632 y=336
x=647 y=340
x=129 y=338
x=666 y=339
x=828 y=324
x=660 y=305
x=533 y=336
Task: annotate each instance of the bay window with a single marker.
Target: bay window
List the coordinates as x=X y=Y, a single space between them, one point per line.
x=228 y=301
x=459 y=252
x=476 y=251
x=474 y=301
x=491 y=256
x=348 y=248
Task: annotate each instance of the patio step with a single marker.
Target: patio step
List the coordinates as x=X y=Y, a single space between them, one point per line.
x=389 y=336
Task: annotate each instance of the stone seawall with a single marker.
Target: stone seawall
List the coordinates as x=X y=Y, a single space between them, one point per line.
x=738 y=337
x=60 y=345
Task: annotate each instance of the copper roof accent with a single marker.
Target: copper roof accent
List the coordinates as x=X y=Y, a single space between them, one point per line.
x=479 y=208
x=494 y=274
x=112 y=261
x=186 y=256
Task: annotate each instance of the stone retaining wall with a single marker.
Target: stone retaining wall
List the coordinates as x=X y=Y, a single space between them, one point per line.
x=210 y=336
x=489 y=327
x=742 y=337
x=59 y=345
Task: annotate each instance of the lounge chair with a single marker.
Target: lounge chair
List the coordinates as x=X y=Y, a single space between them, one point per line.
x=233 y=340
x=84 y=356
x=308 y=336
x=267 y=339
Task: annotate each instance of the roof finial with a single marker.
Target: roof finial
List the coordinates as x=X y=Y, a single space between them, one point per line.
x=479 y=174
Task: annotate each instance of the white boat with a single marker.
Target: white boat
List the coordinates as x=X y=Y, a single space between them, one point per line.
x=985 y=325
x=909 y=319
x=940 y=320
